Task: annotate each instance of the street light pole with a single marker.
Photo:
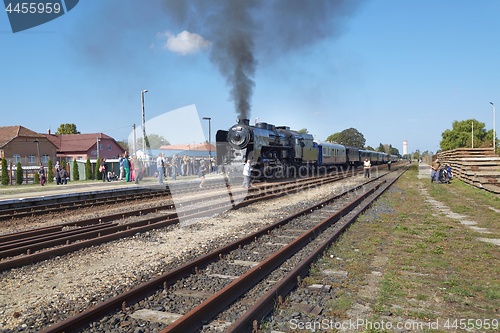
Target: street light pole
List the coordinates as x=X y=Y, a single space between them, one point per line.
x=209 y=137
x=494 y=143
x=209 y=145
x=143 y=124
x=97 y=148
x=37 y=151
x=473 y=134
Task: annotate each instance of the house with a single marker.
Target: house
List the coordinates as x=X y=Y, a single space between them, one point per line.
x=19 y=144
x=82 y=146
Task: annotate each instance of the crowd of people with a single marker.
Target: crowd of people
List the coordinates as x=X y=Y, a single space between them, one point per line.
x=131 y=169
x=181 y=166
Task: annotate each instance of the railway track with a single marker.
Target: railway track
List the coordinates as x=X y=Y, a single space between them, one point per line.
x=242 y=280
x=27 y=247
x=54 y=204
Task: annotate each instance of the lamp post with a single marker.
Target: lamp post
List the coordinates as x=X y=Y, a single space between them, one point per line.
x=143 y=123
x=473 y=134
x=209 y=136
x=37 y=151
x=494 y=143
x=97 y=148
x=209 y=146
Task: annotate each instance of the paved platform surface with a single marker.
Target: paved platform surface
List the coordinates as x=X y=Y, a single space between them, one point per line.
x=33 y=191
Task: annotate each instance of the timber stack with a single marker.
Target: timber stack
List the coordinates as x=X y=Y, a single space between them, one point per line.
x=479 y=167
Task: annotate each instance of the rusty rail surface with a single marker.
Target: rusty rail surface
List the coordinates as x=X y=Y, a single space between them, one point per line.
x=162 y=282
x=105 y=231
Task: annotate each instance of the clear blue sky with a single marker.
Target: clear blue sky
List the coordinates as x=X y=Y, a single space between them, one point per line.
x=392 y=69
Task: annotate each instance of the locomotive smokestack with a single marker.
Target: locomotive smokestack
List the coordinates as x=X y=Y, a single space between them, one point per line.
x=243 y=121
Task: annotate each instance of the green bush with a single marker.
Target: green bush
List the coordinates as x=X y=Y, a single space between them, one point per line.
x=5 y=174
x=98 y=175
x=19 y=174
x=76 y=173
x=50 y=172
x=36 y=178
x=88 y=169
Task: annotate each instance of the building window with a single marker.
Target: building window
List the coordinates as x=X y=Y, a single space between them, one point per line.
x=45 y=158
x=32 y=159
x=109 y=147
x=16 y=158
x=79 y=158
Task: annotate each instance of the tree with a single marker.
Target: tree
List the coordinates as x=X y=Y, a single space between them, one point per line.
x=50 y=172
x=5 y=174
x=303 y=131
x=460 y=136
x=19 y=173
x=67 y=129
x=88 y=169
x=416 y=154
x=124 y=145
x=393 y=151
x=98 y=175
x=152 y=141
x=381 y=148
x=76 y=173
x=349 y=137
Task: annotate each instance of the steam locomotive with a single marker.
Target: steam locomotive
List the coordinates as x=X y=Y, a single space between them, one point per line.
x=278 y=151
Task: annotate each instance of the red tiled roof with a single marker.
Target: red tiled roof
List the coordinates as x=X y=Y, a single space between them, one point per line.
x=190 y=146
x=75 y=142
x=7 y=133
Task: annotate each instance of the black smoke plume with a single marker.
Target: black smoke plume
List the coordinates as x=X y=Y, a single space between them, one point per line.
x=237 y=28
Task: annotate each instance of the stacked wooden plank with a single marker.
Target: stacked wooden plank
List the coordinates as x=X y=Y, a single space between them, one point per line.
x=476 y=166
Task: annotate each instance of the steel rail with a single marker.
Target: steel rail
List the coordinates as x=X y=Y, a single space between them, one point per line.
x=66 y=244
x=137 y=293
x=208 y=309
x=26 y=242
x=44 y=206
x=265 y=305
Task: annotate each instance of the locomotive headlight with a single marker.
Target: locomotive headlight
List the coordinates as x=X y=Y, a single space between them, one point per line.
x=238 y=137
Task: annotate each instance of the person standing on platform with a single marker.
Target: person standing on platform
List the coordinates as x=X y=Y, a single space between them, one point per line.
x=160 y=165
x=122 y=168
x=58 y=177
x=366 y=167
x=202 y=172
x=104 y=170
x=246 y=174
x=41 y=173
x=175 y=167
x=137 y=168
x=126 y=168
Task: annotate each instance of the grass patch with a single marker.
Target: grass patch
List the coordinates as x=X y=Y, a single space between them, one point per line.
x=435 y=267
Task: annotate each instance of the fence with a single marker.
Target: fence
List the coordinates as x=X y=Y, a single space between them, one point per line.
x=479 y=167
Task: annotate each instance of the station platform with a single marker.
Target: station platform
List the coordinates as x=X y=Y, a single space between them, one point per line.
x=32 y=192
